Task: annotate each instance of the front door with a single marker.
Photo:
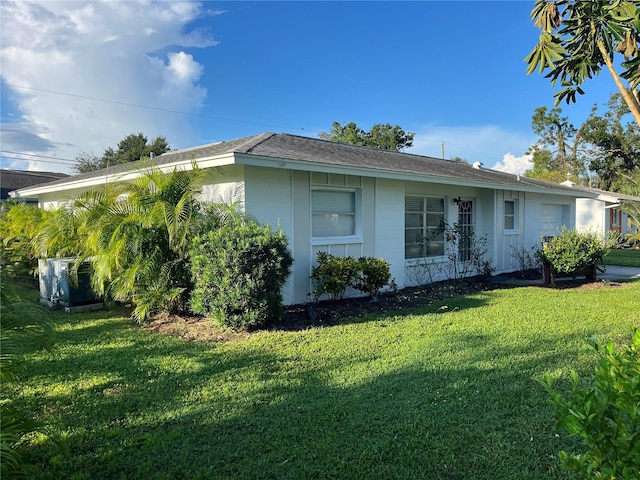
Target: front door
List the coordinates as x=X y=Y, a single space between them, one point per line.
x=465 y=229
x=615 y=220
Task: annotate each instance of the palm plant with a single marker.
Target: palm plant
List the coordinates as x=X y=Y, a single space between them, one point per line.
x=57 y=234
x=136 y=238
x=21 y=325
x=579 y=38
x=18 y=224
x=28 y=233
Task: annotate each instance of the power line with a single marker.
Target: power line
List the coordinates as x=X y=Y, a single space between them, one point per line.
x=147 y=107
x=29 y=160
x=39 y=156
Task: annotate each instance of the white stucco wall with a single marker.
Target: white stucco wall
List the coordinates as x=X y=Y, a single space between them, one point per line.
x=389 y=225
x=269 y=198
x=224 y=186
x=55 y=200
x=282 y=197
x=535 y=204
x=591 y=216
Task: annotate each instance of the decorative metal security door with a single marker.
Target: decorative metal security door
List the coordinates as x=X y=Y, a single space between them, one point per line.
x=465 y=229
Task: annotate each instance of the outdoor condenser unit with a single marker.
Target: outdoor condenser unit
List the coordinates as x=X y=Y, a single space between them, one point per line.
x=58 y=288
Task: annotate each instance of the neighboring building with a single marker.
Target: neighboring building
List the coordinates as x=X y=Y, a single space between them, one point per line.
x=14 y=179
x=603 y=213
x=358 y=201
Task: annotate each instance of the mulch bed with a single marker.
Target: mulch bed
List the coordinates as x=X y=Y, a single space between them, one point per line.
x=334 y=312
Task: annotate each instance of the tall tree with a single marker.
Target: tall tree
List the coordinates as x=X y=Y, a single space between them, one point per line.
x=556 y=155
x=384 y=136
x=615 y=147
x=578 y=38
x=130 y=149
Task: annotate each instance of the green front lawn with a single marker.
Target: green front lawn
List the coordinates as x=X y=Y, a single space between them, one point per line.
x=626 y=257
x=444 y=392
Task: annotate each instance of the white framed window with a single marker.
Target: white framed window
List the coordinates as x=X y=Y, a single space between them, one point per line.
x=423 y=221
x=510 y=215
x=334 y=212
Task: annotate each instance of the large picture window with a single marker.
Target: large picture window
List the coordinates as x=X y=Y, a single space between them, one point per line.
x=423 y=220
x=333 y=213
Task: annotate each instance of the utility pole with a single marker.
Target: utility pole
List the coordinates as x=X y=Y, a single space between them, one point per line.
x=443 y=150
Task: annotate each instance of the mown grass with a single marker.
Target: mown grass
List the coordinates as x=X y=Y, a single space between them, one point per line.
x=448 y=391
x=625 y=257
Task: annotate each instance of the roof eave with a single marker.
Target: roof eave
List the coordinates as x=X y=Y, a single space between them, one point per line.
x=205 y=162
x=304 y=165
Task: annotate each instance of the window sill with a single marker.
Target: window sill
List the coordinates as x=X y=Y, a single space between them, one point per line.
x=335 y=240
x=410 y=262
x=511 y=232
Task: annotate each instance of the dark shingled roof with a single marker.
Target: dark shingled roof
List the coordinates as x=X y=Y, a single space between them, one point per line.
x=323 y=152
x=331 y=153
x=14 y=179
x=617 y=195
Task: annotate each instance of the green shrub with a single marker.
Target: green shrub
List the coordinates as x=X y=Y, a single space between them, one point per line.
x=526 y=259
x=574 y=253
x=333 y=275
x=466 y=252
x=606 y=415
x=372 y=274
x=238 y=271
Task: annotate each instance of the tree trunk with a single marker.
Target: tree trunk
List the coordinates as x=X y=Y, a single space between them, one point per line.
x=546 y=273
x=628 y=97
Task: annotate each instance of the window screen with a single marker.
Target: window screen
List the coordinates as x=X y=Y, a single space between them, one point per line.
x=333 y=213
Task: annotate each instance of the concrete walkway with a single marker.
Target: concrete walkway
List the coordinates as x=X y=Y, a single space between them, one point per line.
x=616 y=272
x=612 y=274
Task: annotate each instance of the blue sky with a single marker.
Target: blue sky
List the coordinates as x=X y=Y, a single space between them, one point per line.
x=79 y=76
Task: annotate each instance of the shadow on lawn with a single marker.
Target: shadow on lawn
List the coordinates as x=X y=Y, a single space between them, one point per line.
x=250 y=413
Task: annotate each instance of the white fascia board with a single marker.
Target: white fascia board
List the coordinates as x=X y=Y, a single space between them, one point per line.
x=206 y=162
x=609 y=199
x=263 y=161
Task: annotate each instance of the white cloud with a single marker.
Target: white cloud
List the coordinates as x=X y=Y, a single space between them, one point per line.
x=183 y=69
x=486 y=143
x=512 y=164
x=125 y=52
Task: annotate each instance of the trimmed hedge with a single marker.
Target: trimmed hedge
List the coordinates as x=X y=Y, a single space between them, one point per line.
x=238 y=272
x=574 y=253
x=334 y=274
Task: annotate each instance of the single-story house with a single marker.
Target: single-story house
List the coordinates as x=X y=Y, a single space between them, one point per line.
x=359 y=201
x=602 y=213
x=14 y=179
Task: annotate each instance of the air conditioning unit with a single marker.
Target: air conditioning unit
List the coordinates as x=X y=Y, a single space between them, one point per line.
x=59 y=288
